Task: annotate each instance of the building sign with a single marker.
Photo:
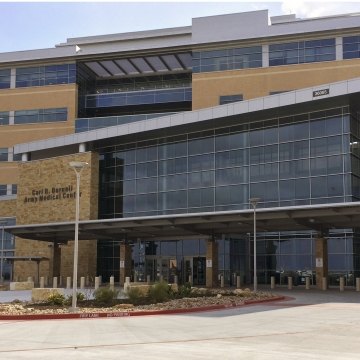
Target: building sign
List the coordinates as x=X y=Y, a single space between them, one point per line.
x=319 y=262
x=122 y=264
x=49 y=194
x=208 y=263
x=321 y=92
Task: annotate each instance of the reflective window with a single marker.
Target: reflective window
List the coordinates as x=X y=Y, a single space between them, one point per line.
x=227 y=99
x=5 y=79
x=4 y=118
x=40 y=116
x=4 y=154
x=351 y=47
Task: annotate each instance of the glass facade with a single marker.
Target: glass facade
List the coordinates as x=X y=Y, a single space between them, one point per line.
x=5 y=78
x=227 y=59
x=302 y=52
x=300 y=159
x=4 y=118
x=46 y=75
x=4 y=152
x=40 y=116
x=8 y=241
x=351 y=47
x=227 y=99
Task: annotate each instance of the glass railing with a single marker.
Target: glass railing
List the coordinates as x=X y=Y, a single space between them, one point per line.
x=87 y=124
x=138 y=97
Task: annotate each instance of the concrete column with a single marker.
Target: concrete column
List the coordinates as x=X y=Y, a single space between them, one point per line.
x=290 y=282
x=212 y=263
x=82 y=282
x=307 y=283
x=42 y=282
x=339 y=48
x=97 y=282
x=55 y=282
x=342 y=283
x=112 y=283
x=68 y=282
x=12 y=119
x=357 y=284
x=272 y=282
x=265 y=56
x=324 y=283
x=13 y=78
x=125 y=262
x=321 y=260
x=24 y=157
x=238 y=284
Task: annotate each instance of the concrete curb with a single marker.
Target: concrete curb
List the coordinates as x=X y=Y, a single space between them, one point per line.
x=113 y=314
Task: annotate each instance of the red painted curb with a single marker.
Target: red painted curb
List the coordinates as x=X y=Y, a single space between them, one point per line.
x=133 y=313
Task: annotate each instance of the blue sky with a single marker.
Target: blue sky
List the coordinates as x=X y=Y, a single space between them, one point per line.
x=37 y=25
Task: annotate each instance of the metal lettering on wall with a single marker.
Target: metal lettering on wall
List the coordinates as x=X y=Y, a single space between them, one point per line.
x=321 y=92
x=49 y=194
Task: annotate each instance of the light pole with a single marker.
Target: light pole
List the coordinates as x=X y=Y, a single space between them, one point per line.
x=253 y=202
x=2 y=223
x=78 y=166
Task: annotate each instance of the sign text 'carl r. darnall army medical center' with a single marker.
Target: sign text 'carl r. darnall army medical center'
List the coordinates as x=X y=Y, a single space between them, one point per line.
x=54 y=193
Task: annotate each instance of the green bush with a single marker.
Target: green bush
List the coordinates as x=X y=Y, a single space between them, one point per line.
x=79 y=296
x=56 y=299
x=160 y=292
x=136 y=296
x=105 y=296
x=184 y=291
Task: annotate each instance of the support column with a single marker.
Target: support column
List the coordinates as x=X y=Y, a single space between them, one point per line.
x=212 y=263
x=321 y=259
x=125 y=263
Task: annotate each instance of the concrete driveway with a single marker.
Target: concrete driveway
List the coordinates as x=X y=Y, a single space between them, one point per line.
x=314 y=325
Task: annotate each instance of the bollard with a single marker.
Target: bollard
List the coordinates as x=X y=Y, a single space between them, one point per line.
x=272 y=282
x=68 y=282
x=290 y=282
x=161 y=278
x=176 y=279
x=190 y=279
x=29 y=279
x=112 y=284
x=127 y=279
x=222 y=281
x=97 y=282
x=42 y=282
x=307 y=283
x=55 y=282
x=324 y=283
x=357 y=284
x=148 y=279
x=82 y=282
x=342 y=283
x=238 y=284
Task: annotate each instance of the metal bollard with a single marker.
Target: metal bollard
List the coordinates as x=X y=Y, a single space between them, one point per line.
x=68 y=282
x=357 y=284
x=324 y=283
x=290 y=282
x=222 y=281
x=342 y=283
x=272 y=282
x=307 y=283
x=238 y=283
x=97 y=282
x=55 y=282
x=42 y=282
x=82 y=282
x=176 y=279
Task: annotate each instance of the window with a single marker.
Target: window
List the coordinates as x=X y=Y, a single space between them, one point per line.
x=46 y=75
x=351 y=47
x=40 y=115
x=227 y=99
x=302 y=52
x=3 y=189
x=4 y=154
x=5 y=79
x=227 y=59
x=13 y=189
x=4 y=117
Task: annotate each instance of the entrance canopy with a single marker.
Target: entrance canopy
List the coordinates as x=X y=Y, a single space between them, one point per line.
x=319 y=218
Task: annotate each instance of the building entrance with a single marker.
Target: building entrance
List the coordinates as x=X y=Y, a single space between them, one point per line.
x=194 y=270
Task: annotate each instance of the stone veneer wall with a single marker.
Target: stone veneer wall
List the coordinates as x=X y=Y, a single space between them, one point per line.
x=46 y=194
x=8 y=208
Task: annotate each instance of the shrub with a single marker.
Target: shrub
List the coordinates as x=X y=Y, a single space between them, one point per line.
x=105 y=296
x=136 y=296
x=79 y=296
x=56 y=299
x=184 y=291
x=160 y=292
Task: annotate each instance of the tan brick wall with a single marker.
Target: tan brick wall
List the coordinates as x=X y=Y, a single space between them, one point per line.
x=8 y=208
x=251 y=83
x=56 y=180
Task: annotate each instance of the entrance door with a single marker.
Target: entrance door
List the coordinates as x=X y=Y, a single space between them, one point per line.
x=195 y=269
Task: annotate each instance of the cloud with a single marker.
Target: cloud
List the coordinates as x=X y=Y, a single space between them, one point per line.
x=309 y=9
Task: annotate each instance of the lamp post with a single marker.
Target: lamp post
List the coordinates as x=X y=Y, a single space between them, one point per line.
x=253 y=202
x=78 y=166
x=2 y=223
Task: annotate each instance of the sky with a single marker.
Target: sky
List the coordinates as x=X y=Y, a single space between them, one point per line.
x=37 y=25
